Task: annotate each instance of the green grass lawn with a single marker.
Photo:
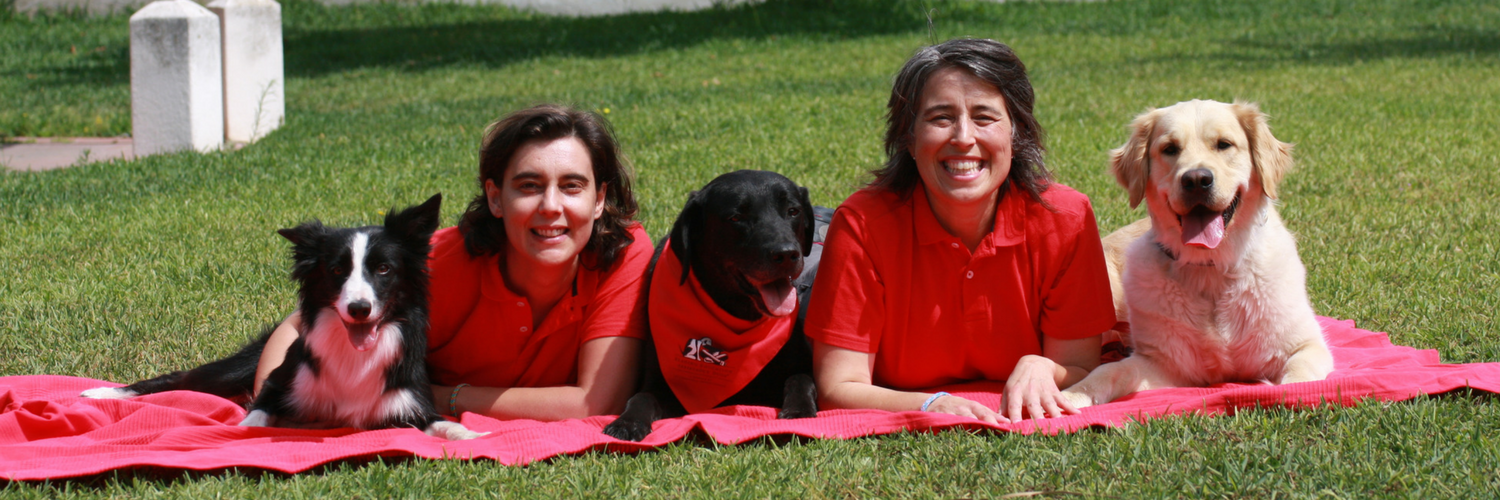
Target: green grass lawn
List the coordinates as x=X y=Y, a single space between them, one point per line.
x=122 y=270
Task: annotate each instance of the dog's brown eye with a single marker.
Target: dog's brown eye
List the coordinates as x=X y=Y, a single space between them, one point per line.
x=383 y=269
x=337 y=270
x=1223 y=145
x=793 y=211
x=734 y=218
x=1171 y=150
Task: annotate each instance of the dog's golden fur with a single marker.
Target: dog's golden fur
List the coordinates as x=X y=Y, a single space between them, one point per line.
x=1204 y=308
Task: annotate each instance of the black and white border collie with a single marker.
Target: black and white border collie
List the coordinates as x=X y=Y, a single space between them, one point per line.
x=359 y=359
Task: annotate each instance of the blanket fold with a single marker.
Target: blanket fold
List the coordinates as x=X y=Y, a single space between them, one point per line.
x=48 y=432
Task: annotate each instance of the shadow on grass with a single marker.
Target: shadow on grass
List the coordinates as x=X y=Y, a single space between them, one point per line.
x=525 y=36
x=1426 y=42
x=322 y=40
x=1417 y=43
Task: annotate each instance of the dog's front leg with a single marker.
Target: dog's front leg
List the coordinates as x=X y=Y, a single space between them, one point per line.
x=452 y=431
x=799 y=397
x=1110 y=381
x=271 y=402
x=634 y=424
x=258 y=418
x=1312 y=362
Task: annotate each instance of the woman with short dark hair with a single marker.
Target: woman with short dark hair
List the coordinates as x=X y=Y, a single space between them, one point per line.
x=482 y=231
x=962 y=261
x=536 y=299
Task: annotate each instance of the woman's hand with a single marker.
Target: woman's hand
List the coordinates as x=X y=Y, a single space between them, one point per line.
x=954 y=405
x=1032 y=390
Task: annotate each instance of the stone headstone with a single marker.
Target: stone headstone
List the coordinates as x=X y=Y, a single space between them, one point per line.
x=254 y=81
x=176 y=80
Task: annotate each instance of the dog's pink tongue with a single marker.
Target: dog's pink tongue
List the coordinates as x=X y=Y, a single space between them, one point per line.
x=362 y=336
x=780 y=297
x=1204 y=230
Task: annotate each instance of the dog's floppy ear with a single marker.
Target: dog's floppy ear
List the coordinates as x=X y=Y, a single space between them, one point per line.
x=418 y=222
x=810 y=225
x=1131 y=163
x=689 y=224
x=305 y=239
x=1271 y=157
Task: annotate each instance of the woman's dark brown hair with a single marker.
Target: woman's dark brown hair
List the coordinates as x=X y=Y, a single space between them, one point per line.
x=991 y=61
x=484 y=234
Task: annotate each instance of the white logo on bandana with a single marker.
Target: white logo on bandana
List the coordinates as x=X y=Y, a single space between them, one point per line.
x=703 y=350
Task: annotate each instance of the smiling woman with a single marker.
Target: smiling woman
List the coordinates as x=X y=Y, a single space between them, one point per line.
x=536 y=307
x=962 y=261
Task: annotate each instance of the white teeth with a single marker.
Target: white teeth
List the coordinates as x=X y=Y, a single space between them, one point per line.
x=962 y=167
x=550 y=233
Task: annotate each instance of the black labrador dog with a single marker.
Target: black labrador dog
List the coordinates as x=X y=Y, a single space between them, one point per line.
x=744 y=238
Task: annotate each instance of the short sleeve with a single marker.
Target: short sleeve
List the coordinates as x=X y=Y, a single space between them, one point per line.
x=1077 y=302
x=453 y=286
x=617 y=308
x=847 y=307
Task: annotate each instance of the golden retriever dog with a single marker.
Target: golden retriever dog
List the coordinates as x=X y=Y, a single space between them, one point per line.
x=1211 y=282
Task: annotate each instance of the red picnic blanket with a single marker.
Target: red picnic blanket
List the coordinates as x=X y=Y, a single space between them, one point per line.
x=48 y=432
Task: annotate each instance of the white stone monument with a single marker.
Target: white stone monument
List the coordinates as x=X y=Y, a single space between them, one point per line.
x=176 y=80
x=254 y=81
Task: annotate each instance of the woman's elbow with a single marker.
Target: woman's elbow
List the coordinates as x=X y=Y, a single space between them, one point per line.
x=608 y=404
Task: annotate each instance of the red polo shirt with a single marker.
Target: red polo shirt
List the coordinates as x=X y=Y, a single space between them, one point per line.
x=894 y=283
x=481 y=331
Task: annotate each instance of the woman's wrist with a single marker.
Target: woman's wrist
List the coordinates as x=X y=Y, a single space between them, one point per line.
x=930 y=399
x=453 y=399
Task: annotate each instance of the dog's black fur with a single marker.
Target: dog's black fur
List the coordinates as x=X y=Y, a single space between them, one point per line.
x=394 y=276
x=743 y=227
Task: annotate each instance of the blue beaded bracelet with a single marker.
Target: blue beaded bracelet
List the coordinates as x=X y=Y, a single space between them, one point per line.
x=453 y=400
x=932 y=398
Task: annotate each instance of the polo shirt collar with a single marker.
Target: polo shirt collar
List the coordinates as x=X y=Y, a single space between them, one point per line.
x=1010 y=219
x=492 y=284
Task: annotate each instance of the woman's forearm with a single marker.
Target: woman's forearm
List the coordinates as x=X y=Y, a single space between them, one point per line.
x=1074 y=358
x=607 y=371
x=844 y=381
x=1067 y=375
x=535 y=403
x=275 y=351
x=851 y=395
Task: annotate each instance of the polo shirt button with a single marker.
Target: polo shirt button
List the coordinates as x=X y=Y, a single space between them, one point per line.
x=520 y=304
x=524 y=328
x=970 y=275
x=955 y=245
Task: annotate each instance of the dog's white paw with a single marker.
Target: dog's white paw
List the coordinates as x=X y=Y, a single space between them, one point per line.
x=109 y=393
x=1078 y=400
x=452 y=431
x=256 y=418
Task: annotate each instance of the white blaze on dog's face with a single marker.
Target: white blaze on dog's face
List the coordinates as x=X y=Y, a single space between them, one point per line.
x=548 y=201
x=1197 y=163
x=357 y=304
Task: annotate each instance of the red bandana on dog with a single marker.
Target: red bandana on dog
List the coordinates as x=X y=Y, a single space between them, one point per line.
x=706 y=354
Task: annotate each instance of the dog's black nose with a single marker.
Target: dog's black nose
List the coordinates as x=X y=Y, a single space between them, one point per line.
x=1198 y=179
x=784 y=255
x=359 y=309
